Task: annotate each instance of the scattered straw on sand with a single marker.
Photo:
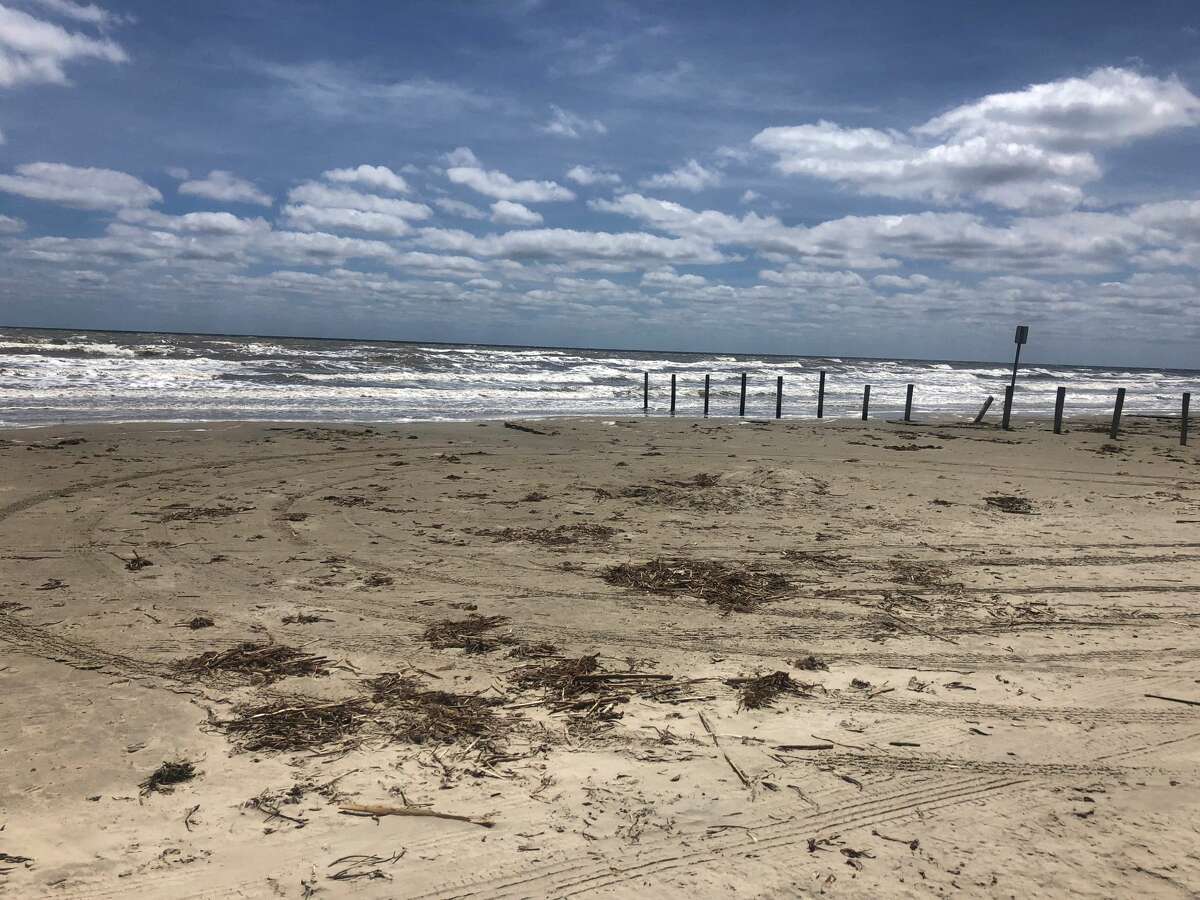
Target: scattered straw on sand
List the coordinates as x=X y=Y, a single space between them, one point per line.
x=732 y=587
x=265 y=662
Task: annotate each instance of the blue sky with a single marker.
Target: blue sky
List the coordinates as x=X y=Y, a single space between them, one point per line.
x=870 y=179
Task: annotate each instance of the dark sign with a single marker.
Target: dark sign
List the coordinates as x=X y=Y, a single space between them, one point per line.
x=1022 y=334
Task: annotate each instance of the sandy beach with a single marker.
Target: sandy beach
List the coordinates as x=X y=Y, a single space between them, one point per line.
x=611 y=658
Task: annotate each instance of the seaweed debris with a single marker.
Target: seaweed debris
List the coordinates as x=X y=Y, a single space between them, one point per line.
x=165 y=777
x=561 y=536
x=763 y=690
x=1018 y=505
x=264 y=662
x=733 y=588
x=469 y=634
x=295 y=723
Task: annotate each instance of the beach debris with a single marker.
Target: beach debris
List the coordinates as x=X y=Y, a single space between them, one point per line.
x=525 y=428
x=53 y=584
x=8 y=860
x=136 y=563
x=920 y=572
x=197 y=622
x=294 y=516
x=1173 y=699
x=534 y=497
x=911 y=447
x=561 y=536
x=375 y=810
x=295 y=723
x=417 y=715
x=1009 y=504
x=810 y=663
x=187 y=819
x=762 y=690
x=347 y=500
x=731 y=587
x=363 y=865
x=303 y=619
x=469 y=634
x=266 y=662
x=716 y=743
x=268 y=803
x=165 y=777
x=560 y=679
x=182 y=513
x=378 y=579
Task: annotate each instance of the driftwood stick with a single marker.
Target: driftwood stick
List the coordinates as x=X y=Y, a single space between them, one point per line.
x=1174 y=699
x=736 y=771
x=375 y=810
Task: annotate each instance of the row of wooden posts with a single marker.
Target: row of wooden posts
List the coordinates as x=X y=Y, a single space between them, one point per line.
x=1059 y=403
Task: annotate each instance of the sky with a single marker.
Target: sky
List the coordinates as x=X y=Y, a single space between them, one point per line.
x=867 y=179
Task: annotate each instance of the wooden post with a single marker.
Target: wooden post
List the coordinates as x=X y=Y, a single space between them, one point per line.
x=908 y=404
x=706 y=378
x=1116 y=423
x=672 y=393
x=987 y=404
x=866 y=400
x=1183 y=423
x=645 y=392
x=1008 y=398
x=779 y=397
x=821 y=396
x=1059 y=402
x=742 y=404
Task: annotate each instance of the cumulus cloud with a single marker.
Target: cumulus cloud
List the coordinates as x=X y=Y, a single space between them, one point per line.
x=587 y=176
x=82 y=188
x=459 y=208
x=627 y=249
x=505 y=212
x=34 y=51
x=691 y=176
x=227 y=187
x=1029 y=150
x=565 y=123
x=314 y=206
x=467 y=170
x=11 y=225
x=83 y=12
x=377 y=178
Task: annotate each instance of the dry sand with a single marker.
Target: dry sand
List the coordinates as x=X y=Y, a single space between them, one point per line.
x=983 y=728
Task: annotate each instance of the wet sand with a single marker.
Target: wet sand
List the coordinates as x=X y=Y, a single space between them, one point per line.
x=982 y=727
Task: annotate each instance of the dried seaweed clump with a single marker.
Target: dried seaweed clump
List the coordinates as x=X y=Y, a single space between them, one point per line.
x=1007 y=504
x=763 y=690
x=265 y=662
x=192 y=513
x=733 y=588
x=924 y=573
x=469 y=634
x=197 y=622
x=561 y=536
x=167 y=775
x=561 y=679
x=810 y=663
x=295 y=723
x=416 y=715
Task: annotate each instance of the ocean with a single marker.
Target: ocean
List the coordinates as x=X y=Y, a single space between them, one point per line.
x=96 y=376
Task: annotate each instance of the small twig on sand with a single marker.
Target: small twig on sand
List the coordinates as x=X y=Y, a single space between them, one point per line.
x=832 y=741
x=375 y=810
x=736 y=771
x=187 y=820
x=909 y=624
x=1174 y=699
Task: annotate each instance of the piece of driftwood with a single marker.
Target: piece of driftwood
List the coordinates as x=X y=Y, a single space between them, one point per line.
x=375 y=810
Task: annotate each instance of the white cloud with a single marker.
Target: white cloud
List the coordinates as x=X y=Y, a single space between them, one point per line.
x=502 y=187
x=565 y=123
x=379 y=178
x=81 y=12
x=204 y=223
x=82 y=188
x=11 y=225
x=750 y=196
x=627 y=249
x=313 y=206
x=586 y=176
x=668 y=279
x=459 y=208
x=462 y=156
x=34 y=51
x=691 y=176
x=1028 y=150
x=178 y=173
x=505 y=212
x=227 y=187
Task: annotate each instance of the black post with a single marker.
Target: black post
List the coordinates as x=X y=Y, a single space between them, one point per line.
x=1021 y=337
x=779 y=397
x=1183 y=423
x=1059 y=402
x=646 y=392
x=866 y=400
x=706 y=378
x=672 y=393
x=1008 y=398
x=1116 y=423
x=742 y=404
x=987 y=404
x=908 y=404
x=821 y=396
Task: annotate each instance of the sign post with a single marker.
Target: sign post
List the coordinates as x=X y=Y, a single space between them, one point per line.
x=1021 y=337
